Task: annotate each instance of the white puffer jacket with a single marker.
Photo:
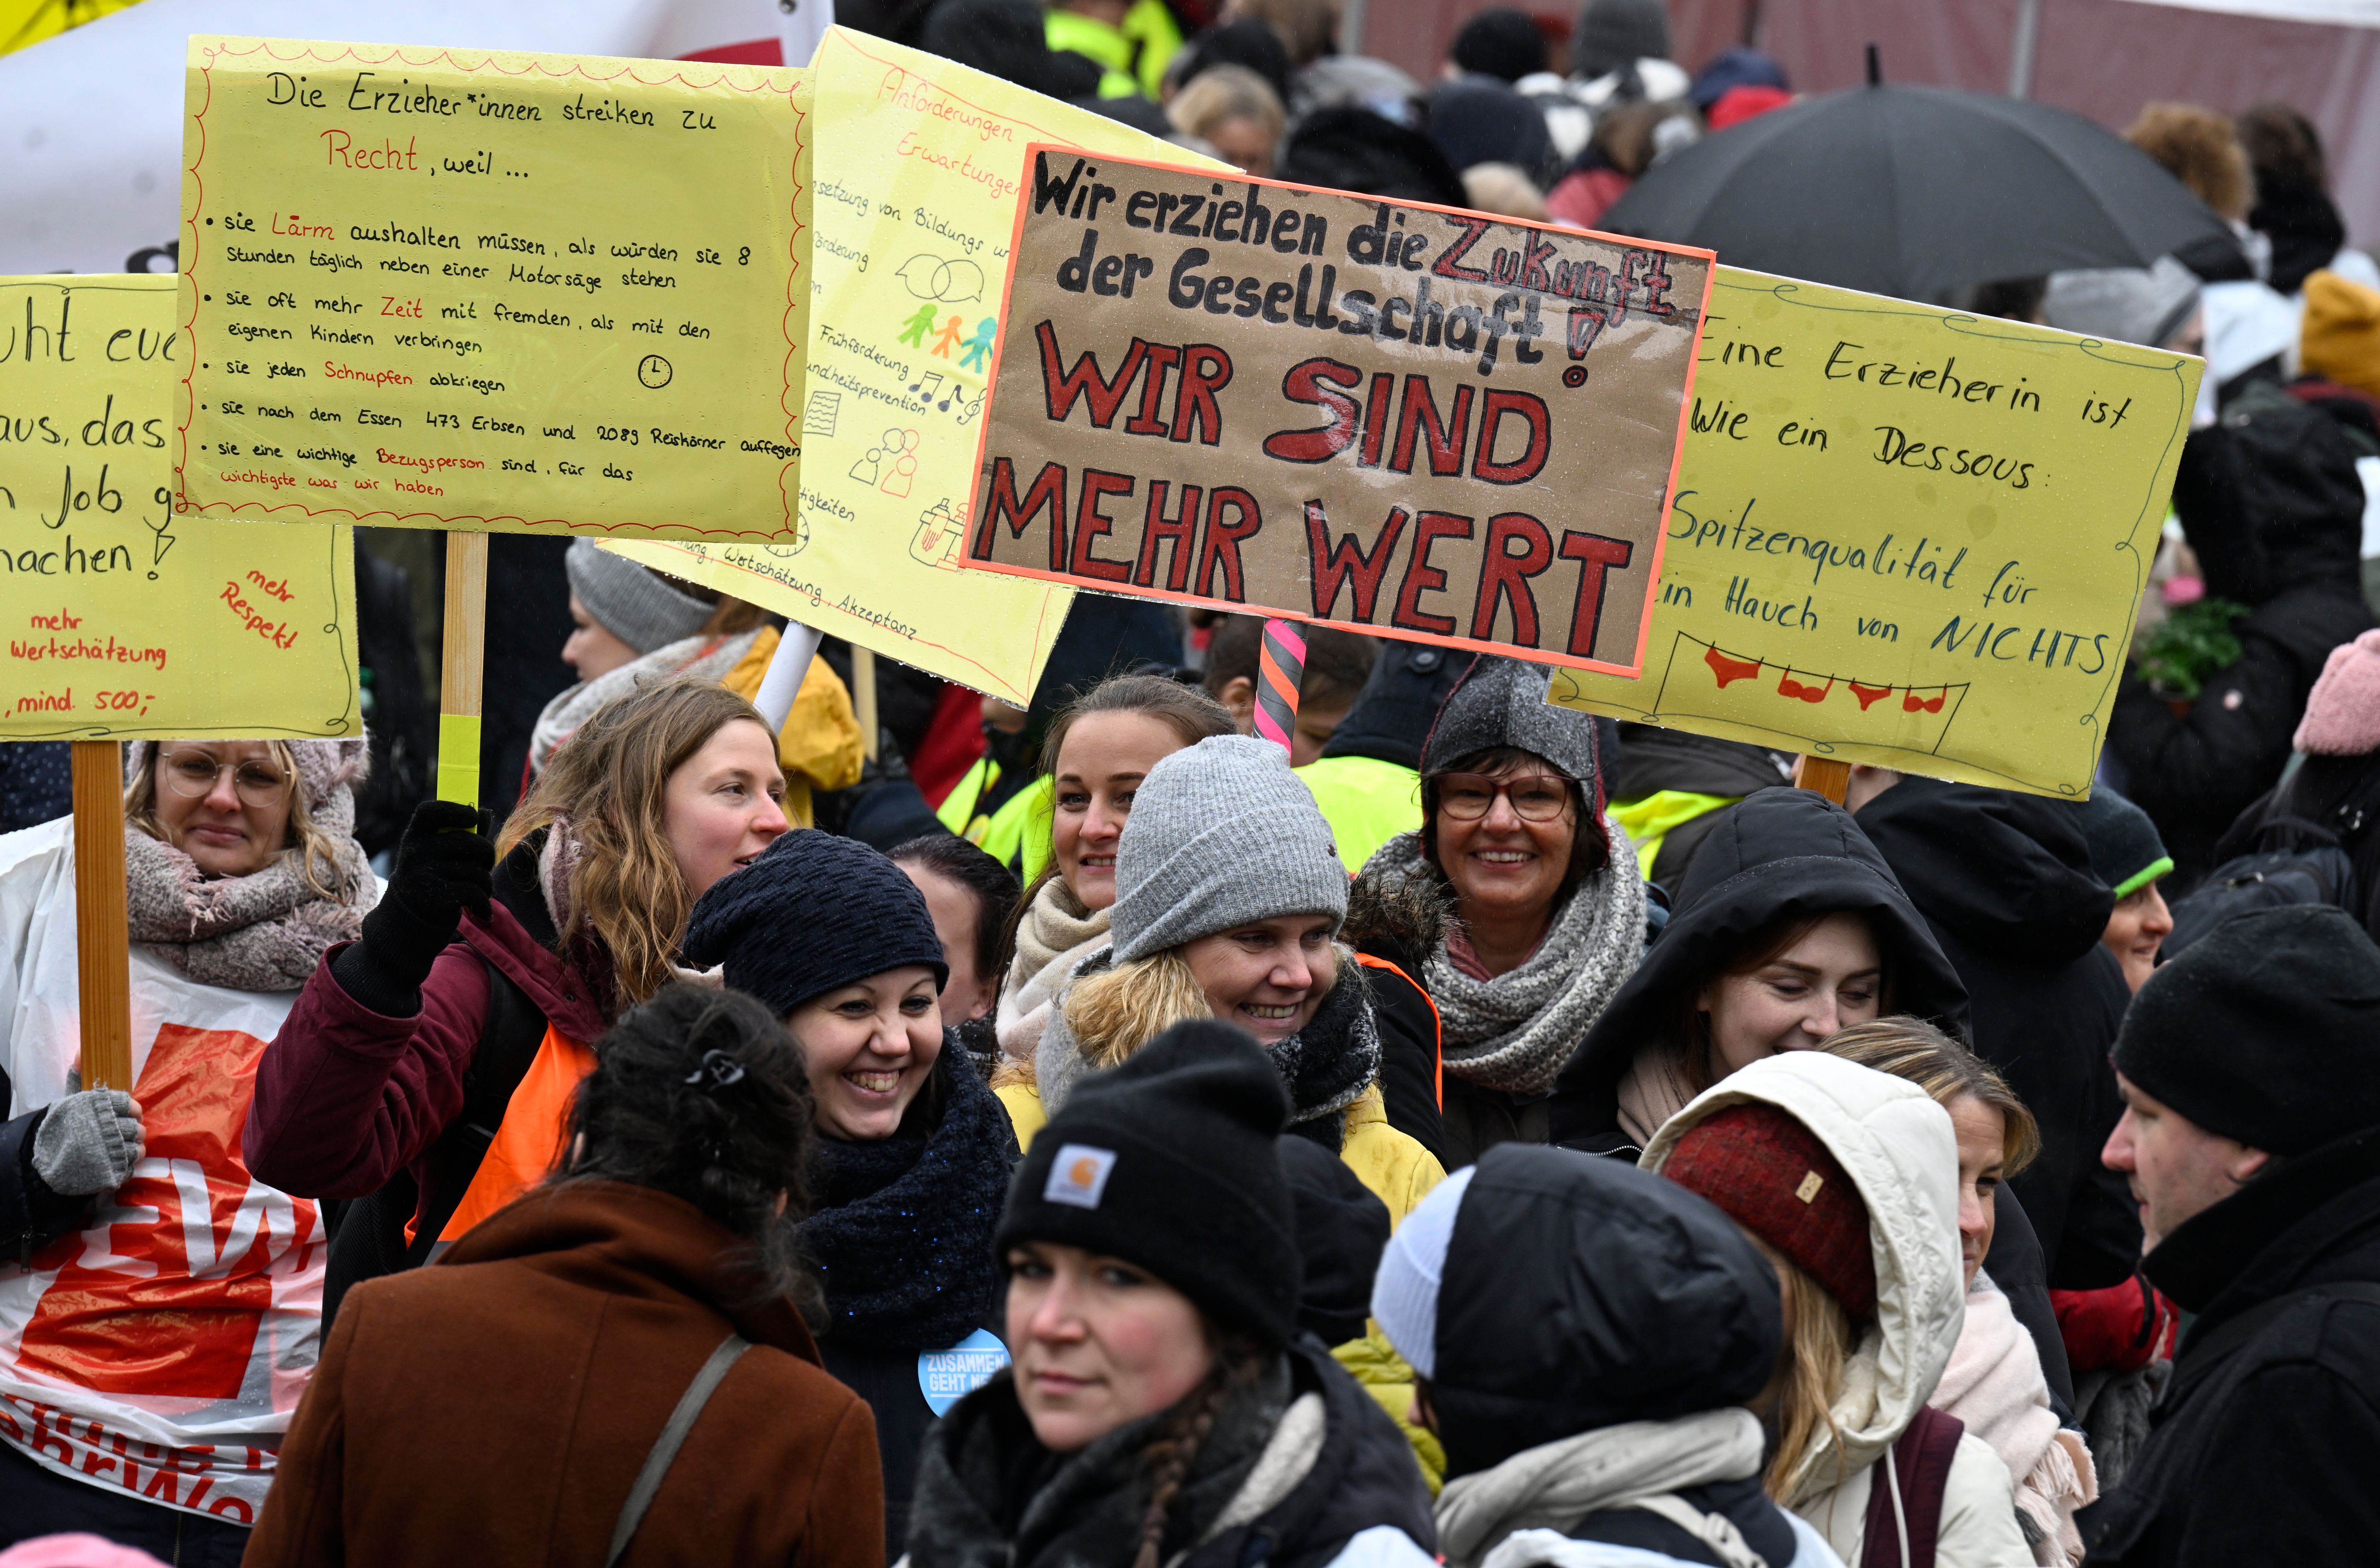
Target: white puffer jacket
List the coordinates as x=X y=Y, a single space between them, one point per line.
x=1898 y=1148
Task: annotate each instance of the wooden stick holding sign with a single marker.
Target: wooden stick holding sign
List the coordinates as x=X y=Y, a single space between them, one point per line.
x=1824 y=774
x=863 y=699
x=103 y=947
x=464 y=667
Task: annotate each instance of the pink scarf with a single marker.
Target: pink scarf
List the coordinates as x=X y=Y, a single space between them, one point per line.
x=1994 y=1384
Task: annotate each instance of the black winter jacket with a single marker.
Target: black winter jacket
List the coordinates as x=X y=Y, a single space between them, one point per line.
x=2340 y=795
x=2263 y=1448
x=1653 y=760
x=2272 y=504
x=1778 y=855
x=2005 y=881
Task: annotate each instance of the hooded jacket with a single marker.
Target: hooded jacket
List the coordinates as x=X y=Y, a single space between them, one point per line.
x=1780 y=854
x=1897 y=1147
x=2005 y=881
x=2261 y=1448
x=2270 y=500
x=1673 y=787
x=552 y=1344
x=1291 y=1487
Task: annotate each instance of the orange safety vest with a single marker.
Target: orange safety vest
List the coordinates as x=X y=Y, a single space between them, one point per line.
x=528 y=1144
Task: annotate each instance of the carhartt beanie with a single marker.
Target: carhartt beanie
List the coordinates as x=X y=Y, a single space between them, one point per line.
x=1404 y=1294
x=1613 y=33
x=1776 y=1179
x=633 y=603
x=815 y=912
x=1222 y=834
x=2267 y=1029
x=1502 y=702
x=1172 y=1163
x=2126 y=852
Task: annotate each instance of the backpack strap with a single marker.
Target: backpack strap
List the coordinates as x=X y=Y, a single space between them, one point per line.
x=1905 y=1492
x=509 y=1039
x=664 y=1452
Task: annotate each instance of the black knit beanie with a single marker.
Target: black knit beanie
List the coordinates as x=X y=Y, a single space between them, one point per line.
x=815 y=912
x=2267 y=1029
x=1170 y=1162
x=1341 y=1231
x=2125 y=850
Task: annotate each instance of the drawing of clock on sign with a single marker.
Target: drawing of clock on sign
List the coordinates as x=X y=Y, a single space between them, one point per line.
x=653 y=371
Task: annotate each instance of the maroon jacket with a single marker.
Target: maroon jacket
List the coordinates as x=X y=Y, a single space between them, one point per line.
x=495 y=1408
x=346 y=1096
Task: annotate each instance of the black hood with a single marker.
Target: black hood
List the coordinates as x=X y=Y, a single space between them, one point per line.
x=1780 y=854
x=2008 y=872
x=1392 y=714
x=2270 y=499
x=1581 y=1292
x=1653 y=759
x=1341 y=1231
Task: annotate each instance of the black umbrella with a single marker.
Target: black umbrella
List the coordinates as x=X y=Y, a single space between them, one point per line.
x=1917 y=192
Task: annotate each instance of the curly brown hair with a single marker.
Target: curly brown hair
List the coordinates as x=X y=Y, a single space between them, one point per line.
x=2199 y=148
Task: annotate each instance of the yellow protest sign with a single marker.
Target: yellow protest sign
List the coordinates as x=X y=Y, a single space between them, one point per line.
x=456 y=289
x=1906 y=536
x=919 y=166
x=124 y=621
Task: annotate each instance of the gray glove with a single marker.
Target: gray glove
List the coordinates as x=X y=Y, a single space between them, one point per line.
x=87 y=1143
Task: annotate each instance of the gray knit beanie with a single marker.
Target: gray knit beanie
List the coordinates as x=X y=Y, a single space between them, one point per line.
x=1613 y=33
x=1221 y=834
x=1502 y=702
x=634 y=604
x=2141 y=304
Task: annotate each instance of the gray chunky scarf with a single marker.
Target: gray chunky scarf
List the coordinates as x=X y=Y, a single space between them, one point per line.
x=1513 y=1033
x=263 y=931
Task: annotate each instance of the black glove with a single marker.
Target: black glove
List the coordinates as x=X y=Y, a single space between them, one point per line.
x=445 y=864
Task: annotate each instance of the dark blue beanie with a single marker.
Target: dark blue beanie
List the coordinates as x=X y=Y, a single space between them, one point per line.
x=812 y=913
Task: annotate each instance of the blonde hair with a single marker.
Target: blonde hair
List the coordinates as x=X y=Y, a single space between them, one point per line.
x=1819 y=1341
x=1914 y=1048
x=2201 y=149
x=1222 y=93
x=1504 y=189
x=306 y=845
x=1116 y=1012
x=626 y=896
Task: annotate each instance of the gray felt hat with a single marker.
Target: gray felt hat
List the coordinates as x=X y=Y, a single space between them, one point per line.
x=1502 y=702
x=636 y=605
x=1221 y=834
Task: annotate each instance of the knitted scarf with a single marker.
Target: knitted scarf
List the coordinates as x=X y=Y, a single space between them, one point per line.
x=1513 y=1033
x=265 y=931
x=699 y=658
x=1056 y=935
x=1994 y=1384
x=1327 y=1066
x=901 y=1234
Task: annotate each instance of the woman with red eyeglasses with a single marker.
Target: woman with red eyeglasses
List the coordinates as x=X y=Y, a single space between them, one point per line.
x=1518 y=905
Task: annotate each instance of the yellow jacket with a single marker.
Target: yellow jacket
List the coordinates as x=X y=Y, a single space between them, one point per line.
x=1392 y=1167
x=819 y=744
x=1376 y=1364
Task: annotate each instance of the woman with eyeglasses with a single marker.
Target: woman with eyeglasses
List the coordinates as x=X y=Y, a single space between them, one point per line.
x=162 y=1301
x=1518 y=906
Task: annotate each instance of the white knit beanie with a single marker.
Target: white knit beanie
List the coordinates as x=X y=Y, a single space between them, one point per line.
x=1404 y=1292
x=1222 y=834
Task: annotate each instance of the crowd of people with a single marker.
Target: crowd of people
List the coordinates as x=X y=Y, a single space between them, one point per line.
x=1091 y=1133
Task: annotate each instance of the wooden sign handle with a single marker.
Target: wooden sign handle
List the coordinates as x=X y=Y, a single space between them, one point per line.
x=103 y=947
x=863 y=699
x=462 y=667
x=1823 y=775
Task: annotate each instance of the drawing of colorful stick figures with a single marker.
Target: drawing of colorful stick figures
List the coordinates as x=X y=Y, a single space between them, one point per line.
x=946 y=339
x=913 y=330
x=901 y=468
x=980 y=345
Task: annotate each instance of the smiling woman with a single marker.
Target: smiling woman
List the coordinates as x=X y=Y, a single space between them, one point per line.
x=913 y=1152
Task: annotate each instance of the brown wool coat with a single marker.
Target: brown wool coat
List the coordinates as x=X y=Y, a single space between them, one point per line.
x=496 y=1409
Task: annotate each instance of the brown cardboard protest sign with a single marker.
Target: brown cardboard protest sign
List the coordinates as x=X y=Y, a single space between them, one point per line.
x=1402 y=418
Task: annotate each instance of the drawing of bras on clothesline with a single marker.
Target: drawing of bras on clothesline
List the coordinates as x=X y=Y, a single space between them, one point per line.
x=1797 y=704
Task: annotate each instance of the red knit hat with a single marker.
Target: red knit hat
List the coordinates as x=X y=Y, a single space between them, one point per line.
x=1773 y=1177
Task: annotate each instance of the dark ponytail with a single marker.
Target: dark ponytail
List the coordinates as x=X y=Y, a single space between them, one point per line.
x=702 y=1094
x=1240 y=1364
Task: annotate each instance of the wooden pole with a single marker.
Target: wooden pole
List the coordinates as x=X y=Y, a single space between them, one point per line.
x=863 y=698
x=462 y=667
x=102 y=949
x=1823 y=775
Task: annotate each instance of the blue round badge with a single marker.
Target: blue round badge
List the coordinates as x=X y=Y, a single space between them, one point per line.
x=945 y=1377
